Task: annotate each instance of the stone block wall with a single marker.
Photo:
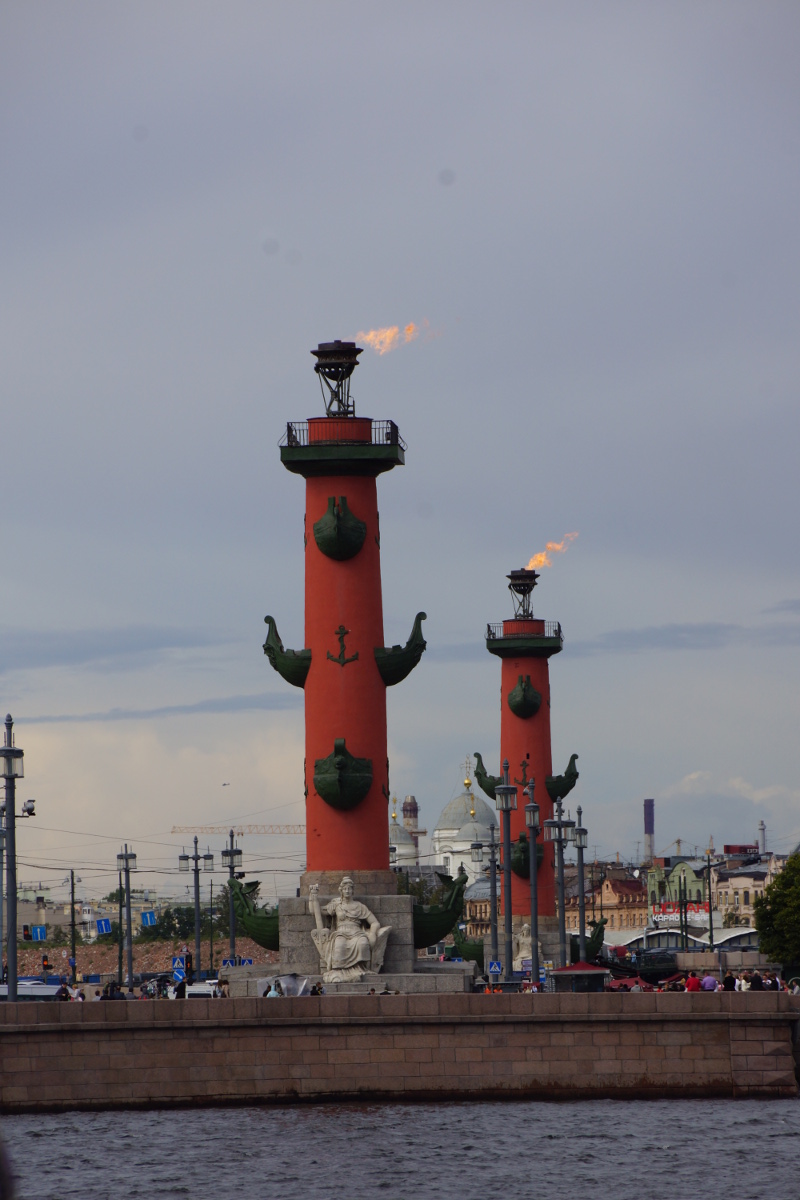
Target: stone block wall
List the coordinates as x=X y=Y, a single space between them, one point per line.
x=193 y=1052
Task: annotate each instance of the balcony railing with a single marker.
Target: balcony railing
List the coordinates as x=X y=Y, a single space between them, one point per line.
x=552 y=629
x=384 y=433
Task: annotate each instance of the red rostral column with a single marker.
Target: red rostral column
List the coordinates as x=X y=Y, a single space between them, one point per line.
x=525 y=644
x=345 y=668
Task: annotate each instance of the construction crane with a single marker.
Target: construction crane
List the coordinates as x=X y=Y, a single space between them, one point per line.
x=238 y=830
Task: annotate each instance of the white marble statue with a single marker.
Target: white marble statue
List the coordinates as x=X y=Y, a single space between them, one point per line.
x=355 y=941
x=522 y=947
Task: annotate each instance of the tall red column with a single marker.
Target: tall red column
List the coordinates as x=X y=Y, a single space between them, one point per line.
x=344 y=668
x=525 y=645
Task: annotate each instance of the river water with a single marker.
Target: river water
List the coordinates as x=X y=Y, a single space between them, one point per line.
x=615 y=1149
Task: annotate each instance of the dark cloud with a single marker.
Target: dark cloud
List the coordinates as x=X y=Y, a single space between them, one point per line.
x=702 y=635
x=266 y=702
x=124 y=648
x=785 y=606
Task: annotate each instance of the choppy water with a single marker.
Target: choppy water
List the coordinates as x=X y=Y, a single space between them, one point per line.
x=601 y=1149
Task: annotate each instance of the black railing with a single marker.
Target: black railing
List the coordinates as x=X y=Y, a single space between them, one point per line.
x=384 y=433
x=552 y=629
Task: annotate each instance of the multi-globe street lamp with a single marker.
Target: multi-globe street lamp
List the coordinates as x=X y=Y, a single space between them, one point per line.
x=232 y=859
x=12 y=770
x=581 y=836
x=476 y=850
x=561 y=830
x=126 y=862
x=532 y=823
x=505 y=798
x=208 y=865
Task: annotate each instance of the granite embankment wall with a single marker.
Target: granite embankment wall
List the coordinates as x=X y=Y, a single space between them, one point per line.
x=191 y=1052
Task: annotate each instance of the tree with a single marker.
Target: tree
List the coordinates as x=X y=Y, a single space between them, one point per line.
x=116 y=897
x=777 y=913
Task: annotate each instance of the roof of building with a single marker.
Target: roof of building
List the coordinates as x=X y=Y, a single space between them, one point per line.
x=398 y=834
x=458 y=812
x=479 y=890
x=633 y=889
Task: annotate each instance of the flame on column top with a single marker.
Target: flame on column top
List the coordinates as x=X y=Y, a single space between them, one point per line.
x=543 y=559
x=389 y=337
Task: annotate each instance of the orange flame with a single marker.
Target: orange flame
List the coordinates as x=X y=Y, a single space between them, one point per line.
x=543 y=559
x=389 y=338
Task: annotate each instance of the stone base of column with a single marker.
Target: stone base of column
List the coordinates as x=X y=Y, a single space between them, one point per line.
x=366 y=883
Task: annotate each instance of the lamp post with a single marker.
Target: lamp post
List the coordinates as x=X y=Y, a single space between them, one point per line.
x=71 y=882
x=126 y=862
x=581 y=836
x=505 y=795
x=232 y=858
x=561 y=830
x=532 y=822
x=208 y=865
x=476 y=850
x=12 y=771
x=710 y=906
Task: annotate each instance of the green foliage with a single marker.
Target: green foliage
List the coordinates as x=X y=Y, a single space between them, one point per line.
x=57 y=935
x=730 y=920
x=777 y=912
x=116 y=897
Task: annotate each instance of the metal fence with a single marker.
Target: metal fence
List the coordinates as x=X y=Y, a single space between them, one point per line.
x=384 y=433
x=552 y=629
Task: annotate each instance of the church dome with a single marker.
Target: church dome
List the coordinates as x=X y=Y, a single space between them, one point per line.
x=459 y=812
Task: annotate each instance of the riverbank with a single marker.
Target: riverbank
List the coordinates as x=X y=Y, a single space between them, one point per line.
x=201 y=1052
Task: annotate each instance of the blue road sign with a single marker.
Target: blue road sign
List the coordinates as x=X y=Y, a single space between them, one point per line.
x=178 y=974
x=71 y=962
x=229 y=962
x=542 y=975
x=148 y=918
x=179 y=963
x=247 y=962
x=39 y=933
x=103 y=926
x=495 y=968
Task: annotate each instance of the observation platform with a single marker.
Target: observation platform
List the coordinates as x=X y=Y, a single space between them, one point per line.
x=528 y=636
x=339 y=445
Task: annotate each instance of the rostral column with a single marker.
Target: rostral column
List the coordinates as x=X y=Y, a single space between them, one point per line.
x=345 y=667
x=525 y=644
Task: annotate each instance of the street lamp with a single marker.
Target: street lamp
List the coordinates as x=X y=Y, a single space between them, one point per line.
x=71 y=881
x=532 y=822
x=232 y=859
x=581 y=838
x=476 y=850
x=505 y=798
x=126 y=862
x=208 y=865
x=12 y=770
x=561 y=830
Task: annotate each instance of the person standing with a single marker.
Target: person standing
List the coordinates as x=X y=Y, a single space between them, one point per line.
x=692 y=983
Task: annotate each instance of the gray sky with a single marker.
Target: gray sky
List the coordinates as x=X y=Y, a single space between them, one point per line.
x=594 y=208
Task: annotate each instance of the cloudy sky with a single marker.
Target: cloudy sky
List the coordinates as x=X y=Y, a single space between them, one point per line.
x=592 y=209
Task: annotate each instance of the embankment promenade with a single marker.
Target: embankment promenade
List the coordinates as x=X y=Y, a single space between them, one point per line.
x=207 y=1052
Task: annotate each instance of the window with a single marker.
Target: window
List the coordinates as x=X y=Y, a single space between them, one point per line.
x=652 y=897
x=446 y=862
x=735 y=899
x=747 y=897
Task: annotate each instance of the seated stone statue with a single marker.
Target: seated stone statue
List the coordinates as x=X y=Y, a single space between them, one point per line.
x=355 y=941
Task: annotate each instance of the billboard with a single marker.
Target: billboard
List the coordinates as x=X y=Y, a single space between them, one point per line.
x=668 y=912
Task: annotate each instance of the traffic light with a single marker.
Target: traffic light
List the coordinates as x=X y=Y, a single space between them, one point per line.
x=26 y=933
x=45 y=964
x=188 y=968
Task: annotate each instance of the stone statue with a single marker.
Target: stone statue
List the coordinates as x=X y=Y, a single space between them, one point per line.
x=355 y=942
x=523 y=944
